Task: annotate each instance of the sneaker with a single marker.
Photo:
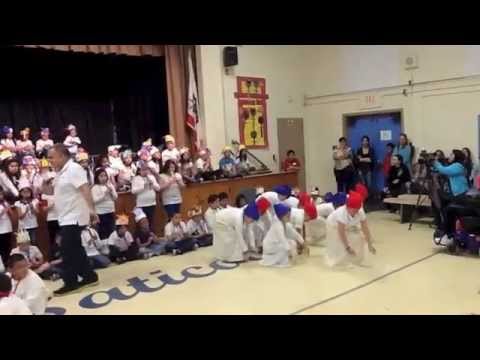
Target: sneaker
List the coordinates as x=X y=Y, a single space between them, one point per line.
x=54 y=277
x=66 y=290
x=89 y=282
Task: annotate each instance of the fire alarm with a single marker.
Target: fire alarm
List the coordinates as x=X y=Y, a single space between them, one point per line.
x=411 y=62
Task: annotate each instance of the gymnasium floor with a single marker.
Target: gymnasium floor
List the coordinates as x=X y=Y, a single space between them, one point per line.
x=407 y=276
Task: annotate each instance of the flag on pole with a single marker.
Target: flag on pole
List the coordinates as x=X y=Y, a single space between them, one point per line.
x=192 y=107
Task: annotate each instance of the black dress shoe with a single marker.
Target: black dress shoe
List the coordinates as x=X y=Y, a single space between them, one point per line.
x=89 y=282
x=66 y=290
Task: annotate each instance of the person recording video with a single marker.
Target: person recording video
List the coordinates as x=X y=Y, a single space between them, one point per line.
x=451 y=197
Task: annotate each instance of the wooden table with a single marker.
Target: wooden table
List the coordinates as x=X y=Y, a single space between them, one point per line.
x=193 y=194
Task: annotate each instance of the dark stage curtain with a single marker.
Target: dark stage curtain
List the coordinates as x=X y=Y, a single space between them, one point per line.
x=97 y=93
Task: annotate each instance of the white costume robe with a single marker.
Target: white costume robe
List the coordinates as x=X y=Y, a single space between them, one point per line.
x=316 y=230
x=210 y=217
x=12 y=305
x=269 y=217
x=277 y=246
x=228 y=235
x=336 y=254
x=291 y=202
x=33 y=291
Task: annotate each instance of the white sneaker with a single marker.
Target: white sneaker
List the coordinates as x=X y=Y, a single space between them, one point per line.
x=446 y=240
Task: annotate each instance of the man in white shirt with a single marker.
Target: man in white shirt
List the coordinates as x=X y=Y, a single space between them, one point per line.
x=10 y=304
x=75 y=210
x=27 y=285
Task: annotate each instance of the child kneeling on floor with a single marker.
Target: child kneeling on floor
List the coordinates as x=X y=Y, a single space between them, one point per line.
x=34 y=257
x=95 y=248
x=148 y=243
x=178 y=239
x=121 y=245
x=197 y=227
x=348 y=233
x=278 y=246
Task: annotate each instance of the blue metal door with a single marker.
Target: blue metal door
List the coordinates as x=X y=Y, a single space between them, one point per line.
x=381 y=129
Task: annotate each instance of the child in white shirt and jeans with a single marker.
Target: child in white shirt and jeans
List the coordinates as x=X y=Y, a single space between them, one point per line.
x=178 y=239
x=27 y=209
x=95 y=248
x=121 y=244
x=197 y=227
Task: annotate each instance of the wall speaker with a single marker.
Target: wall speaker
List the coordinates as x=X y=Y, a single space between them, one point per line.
x=230 y=56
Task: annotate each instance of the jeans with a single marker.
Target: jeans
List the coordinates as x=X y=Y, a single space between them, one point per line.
x=366 y=179
x=150 y=212
x=33 y=236
x=172 y=209
x=184 y=245
x=99 y=261
x=130 y=254
x=74 y=258
x=106 y=225
x=155 y=249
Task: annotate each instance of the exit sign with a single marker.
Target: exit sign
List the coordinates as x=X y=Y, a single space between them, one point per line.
x=369 y=101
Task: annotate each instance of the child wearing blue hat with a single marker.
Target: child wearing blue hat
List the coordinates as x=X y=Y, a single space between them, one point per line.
x=230 y=242
x=278 y=249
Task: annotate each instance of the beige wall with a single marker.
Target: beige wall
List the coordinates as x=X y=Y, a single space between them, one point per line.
x=280 y=65
x=323 y=83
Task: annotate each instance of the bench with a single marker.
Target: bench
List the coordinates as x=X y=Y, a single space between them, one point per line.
x=407 y=204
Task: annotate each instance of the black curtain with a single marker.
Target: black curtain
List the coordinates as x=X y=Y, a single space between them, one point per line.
x=97 y=93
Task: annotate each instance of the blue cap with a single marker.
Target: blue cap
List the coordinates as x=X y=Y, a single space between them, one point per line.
x=339 y=199
x=7 y=129
x=251 y=211
x=328 y=197
x=284 y=190
x=281 y=210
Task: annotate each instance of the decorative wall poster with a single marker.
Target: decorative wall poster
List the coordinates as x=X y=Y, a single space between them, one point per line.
x=252 y=112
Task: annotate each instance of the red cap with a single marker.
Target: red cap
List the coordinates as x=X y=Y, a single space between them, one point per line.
x=311 y=210
x=362 y=190
x=304 y=198
x=263 y=205
x=354 y=200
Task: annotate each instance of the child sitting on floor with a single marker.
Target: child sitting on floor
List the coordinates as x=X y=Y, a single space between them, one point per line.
x=34 y=257
x=178 y=239
x=197 y=227
x=95 y=248
x=148 y=243
x=122 y=248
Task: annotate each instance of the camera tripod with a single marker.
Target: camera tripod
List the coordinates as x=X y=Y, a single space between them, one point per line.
x=423 y=194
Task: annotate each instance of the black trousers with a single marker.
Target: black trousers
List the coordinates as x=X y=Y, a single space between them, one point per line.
x=5 y=247
x=74 y=257
x=345 y=179
x=53 y=229
x=106 y=225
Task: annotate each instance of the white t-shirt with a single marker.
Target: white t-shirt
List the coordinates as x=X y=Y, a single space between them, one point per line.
x=116 y=163
x=291 y=201
x=145 y=190
x=103 y=199
x=91 y=242
x=32 y=291
x=7 y=184
x=72 y=143
x=71 y=207
x=210 y=216
x=23 y=145
x=12 y=305
x=173 y=154
x=33 y=253
x=122 y=243
x=5 y=222
x=341 y=215
x=200 y=228
x=172 y=194
x=52 y=211
x=40 y=144
x=175 y=232
x=127 y=174
x=30 y=219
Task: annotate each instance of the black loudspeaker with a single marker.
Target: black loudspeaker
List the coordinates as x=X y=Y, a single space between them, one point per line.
x=230 y=56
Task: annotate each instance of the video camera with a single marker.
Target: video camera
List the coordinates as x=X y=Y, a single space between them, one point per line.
x=426 y=158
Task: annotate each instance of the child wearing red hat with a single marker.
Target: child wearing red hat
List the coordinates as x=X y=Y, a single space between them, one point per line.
x=348 y=233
